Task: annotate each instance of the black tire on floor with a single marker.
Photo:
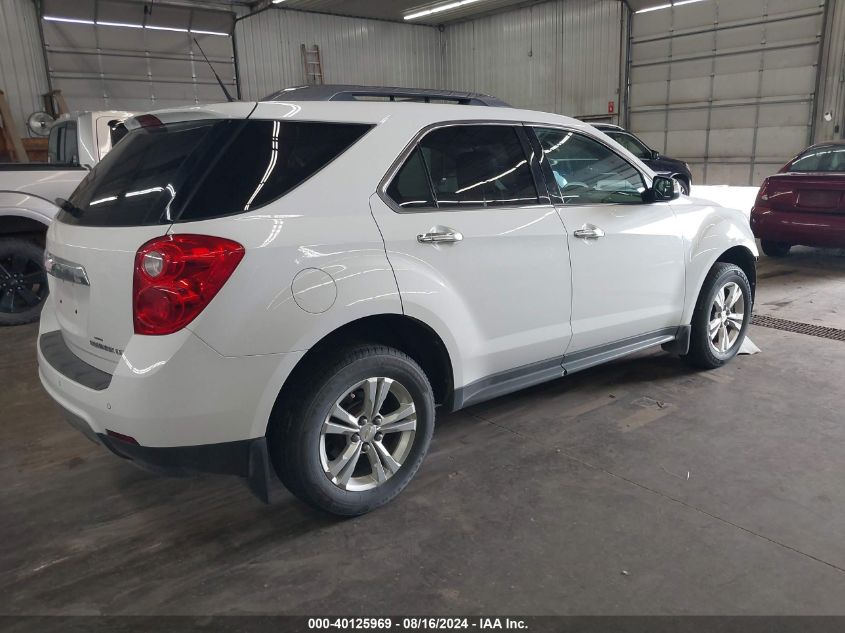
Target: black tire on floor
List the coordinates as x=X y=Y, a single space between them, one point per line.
x=23 y=281
x=294 y=435
x=775 y=249
x=701 y=353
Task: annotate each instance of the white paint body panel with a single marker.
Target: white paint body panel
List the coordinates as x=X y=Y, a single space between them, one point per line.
x=332 y=251
x=629 y=282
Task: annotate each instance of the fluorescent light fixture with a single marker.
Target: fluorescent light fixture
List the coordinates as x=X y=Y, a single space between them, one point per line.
x=128 y=25
x=438 y=9
x=50 y=18
x=123 y=24
x=166 y=28
x=278 y=1
x=657 y=8
x=208 y=32
x=675 y=3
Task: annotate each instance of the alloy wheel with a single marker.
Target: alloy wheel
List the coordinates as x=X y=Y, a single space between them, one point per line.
x=727 y=316
x=368 y=434
x=23 y=283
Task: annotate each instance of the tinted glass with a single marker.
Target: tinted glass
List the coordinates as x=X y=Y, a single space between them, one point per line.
x=410 y=187
x=203 y=169
x=53 y=142
x=829 y=158
x=117 y=130
x=264 y=161
x=70 y=151
x=631 y=143
x=138 y=181
x=478 y=165
x=588 y=172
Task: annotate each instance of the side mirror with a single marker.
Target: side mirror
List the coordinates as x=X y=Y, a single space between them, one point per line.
x=655 y=154
x=664 y=189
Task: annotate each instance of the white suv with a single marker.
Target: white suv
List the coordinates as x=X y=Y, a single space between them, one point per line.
x=295 y=287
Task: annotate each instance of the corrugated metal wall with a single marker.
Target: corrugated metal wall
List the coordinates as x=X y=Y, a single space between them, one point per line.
x=353 y=50
x=726 y=85
x=561 y=56
x=832 y=87
x=22 y=74
x=116 y=54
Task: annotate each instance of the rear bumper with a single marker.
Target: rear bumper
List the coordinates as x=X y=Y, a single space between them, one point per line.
x=182 y=406
x=248 y=459
x=794 y=227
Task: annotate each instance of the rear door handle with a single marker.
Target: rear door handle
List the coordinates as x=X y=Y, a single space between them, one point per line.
x=589 y=232
x=440 y=235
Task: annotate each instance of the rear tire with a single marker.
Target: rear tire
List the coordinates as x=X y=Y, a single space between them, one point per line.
x=775 y=249
x=356 y=431
x=23 y=281
x=721 y=317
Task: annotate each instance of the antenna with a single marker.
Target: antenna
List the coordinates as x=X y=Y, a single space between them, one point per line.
x=216 y=76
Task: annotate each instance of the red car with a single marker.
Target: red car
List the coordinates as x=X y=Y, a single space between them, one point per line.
x=804 y=203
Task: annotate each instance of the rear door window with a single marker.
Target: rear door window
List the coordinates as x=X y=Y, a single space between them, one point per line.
x=478 y=166
x=466 y=166
x=411 y=187
x=198 y=170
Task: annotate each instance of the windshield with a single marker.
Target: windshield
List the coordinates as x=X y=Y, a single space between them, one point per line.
x=631 y=143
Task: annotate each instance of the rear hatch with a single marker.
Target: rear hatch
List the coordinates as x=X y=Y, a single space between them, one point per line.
x=166 y=173
x=131 y=197
x=806 y=192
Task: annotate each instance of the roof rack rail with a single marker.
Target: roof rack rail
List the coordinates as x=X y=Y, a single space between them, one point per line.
x=339 y=92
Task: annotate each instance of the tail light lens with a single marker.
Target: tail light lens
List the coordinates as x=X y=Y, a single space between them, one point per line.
x=763 y=194
x=176 y=276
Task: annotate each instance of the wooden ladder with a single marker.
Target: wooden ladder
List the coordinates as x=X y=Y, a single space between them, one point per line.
x=312 y=64
x=9 y=132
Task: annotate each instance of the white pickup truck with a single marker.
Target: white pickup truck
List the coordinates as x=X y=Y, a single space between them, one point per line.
x=28 y=194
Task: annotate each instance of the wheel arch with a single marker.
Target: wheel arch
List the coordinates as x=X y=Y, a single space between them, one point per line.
x=403 y=332
x=745 y=259
x=21 y=226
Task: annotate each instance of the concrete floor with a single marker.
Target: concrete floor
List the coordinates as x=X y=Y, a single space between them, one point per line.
x=638 y=488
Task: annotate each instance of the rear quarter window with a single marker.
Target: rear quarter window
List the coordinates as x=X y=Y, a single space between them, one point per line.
x=198 y=170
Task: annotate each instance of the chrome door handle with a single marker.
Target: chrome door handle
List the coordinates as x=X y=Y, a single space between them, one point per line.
x=440 y=235
x=589 y=232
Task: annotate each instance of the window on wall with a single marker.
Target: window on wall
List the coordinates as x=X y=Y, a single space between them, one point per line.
x=588 y=172
x=115 y=54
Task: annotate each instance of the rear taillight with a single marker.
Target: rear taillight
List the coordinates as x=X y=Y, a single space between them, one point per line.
x=763 y=194
x=176 y=276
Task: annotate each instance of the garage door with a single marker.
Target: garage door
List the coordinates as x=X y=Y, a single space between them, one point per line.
x=112 y=54
x=725 y=85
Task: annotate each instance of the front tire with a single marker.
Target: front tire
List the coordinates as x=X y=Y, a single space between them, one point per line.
x=775 y=249
x=721 y=317
x=23 y=281
x=357 y=432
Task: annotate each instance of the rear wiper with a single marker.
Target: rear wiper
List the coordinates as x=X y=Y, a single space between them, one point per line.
x=68 y=207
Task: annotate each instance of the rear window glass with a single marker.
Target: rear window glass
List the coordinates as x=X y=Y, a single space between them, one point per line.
x=830 y=158
x=203 y=169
